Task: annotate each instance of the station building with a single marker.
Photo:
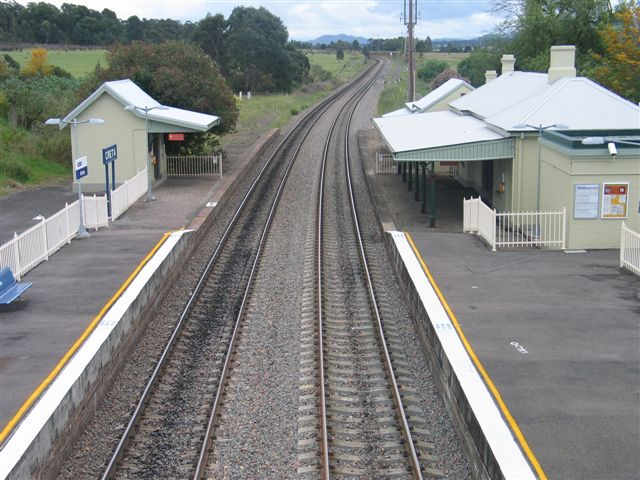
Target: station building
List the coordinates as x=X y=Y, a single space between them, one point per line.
x=133 y=131
x=518 y=142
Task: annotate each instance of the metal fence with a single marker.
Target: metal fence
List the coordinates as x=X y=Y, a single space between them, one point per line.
x=630 y=249
x=515 y=229
x=128 y=193
x=385 y=163
x=194 y=165
x=33 y=246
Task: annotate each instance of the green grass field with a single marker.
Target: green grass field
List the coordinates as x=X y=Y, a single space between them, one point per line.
x=77 y=62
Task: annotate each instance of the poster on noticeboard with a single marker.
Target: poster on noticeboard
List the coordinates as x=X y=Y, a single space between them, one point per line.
x=615 y=197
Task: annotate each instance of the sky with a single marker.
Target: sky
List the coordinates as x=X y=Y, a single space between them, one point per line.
x=310 y=19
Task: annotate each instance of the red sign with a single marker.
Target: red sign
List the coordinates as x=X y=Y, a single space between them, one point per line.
x=176 y=137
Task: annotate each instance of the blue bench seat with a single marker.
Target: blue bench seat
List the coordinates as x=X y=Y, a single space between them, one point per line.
x=10 y=289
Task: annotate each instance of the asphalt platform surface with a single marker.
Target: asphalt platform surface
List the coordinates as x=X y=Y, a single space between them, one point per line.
x=557 y=332
x=77 y=281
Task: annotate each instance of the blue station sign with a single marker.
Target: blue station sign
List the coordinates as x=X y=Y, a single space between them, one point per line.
x=109 y=154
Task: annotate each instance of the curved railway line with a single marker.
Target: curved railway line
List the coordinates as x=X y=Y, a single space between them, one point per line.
x=175 y=416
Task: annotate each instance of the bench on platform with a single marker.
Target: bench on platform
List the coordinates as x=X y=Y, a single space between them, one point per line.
x=10 y=289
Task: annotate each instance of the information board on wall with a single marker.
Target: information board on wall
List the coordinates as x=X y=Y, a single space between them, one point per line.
x=614 y=200
x=586 y=200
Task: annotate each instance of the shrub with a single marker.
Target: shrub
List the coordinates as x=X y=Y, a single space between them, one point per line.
x=445 y=75
x=430 y=69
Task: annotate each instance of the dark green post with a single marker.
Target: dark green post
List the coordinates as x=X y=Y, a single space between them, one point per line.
x=404 y=171
x=410 y=182
x=432 y=198
x=424 y=187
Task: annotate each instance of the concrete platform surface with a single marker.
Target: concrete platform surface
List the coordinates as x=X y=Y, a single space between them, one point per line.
x=73 y=285
x=557 y=333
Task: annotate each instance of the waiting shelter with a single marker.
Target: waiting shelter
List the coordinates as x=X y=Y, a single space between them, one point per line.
x=138 y=132
x=517 y=141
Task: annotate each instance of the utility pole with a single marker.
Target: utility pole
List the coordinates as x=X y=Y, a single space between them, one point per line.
x=410 y=15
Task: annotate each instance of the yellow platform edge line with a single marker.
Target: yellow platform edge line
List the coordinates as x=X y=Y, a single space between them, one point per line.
x=78 y=343
x=487 y=379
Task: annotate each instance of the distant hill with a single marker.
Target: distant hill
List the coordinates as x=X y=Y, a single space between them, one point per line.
x=327 y=39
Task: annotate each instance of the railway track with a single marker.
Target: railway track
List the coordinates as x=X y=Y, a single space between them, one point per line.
x=169 y=432
x=363 y=422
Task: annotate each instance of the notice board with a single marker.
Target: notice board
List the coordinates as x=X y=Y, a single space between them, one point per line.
x=615 y=197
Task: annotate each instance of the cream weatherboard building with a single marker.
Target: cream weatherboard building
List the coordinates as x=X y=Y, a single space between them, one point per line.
x=518 y=141
x=129 y=130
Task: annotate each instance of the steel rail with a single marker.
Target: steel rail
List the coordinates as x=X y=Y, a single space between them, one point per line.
x=406 y=432
x=317 y=110
x=325 y=466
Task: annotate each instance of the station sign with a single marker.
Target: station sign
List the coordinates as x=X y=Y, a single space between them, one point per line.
x=109 y=154
x=81 y=167
x=176 y=137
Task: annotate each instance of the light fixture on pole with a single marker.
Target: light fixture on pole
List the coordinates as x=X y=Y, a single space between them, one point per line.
x=146 y=109
x=603 y=140
x=540 y=129
x=82 y=231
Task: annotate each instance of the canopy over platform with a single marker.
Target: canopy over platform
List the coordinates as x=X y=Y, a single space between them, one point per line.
x=442 y=136
x=168 y=120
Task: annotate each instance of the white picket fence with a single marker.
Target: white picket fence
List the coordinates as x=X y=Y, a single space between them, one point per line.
x=26 y=250
x=630 y=249
x=128 y=193
x=515 y=229
x=194 y=165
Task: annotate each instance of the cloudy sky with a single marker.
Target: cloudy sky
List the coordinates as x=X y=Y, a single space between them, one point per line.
x=312 y=18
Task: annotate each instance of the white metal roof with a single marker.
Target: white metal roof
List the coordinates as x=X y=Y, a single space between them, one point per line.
x=432 y=129
x=430 y=99
x=501 y=93
x=128 y=93
x=576 y=102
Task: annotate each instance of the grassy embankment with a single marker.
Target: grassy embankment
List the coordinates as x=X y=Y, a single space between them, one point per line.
x=264 y=112
x=394 y=93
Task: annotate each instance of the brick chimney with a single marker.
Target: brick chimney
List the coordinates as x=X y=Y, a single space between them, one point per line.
x=508 y=61
x=562 y=62
x=490 y=75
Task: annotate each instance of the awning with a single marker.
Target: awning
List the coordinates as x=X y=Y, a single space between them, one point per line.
x=442 y=136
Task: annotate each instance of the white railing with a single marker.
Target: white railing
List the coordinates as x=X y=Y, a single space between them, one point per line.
x=194 y=165
x=128 y=193
x=385 y=163
x=515 y=229
x=35 y=244
x=630 y=249
x=95 y=212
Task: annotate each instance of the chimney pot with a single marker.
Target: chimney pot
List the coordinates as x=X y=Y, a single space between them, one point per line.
x=508 y=62
x=490 y=75
x=562 y=62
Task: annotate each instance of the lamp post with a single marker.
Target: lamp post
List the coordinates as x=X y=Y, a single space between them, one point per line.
x=82 y=231
x=146 y=109
x=540 y=129
x=603 y=140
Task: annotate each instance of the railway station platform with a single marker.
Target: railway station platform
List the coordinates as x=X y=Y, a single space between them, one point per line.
x=77 y=282
x=556 y=333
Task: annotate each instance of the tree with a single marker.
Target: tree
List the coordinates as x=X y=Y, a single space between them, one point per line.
x=430 y=69
x=445 y=75
x=174 y=73
x=255 y=51
x=38 y=65
x=536 y=25
x=209 y=35
x=475 y=65
x=339 y=53
x=619 y=68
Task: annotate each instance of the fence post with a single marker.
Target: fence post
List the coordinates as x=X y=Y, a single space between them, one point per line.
x=66 y=217
x=493 y=231
x=622 y=246
x=44 y=238
x=564 y=228
x=220 y=163
x=16 y=248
